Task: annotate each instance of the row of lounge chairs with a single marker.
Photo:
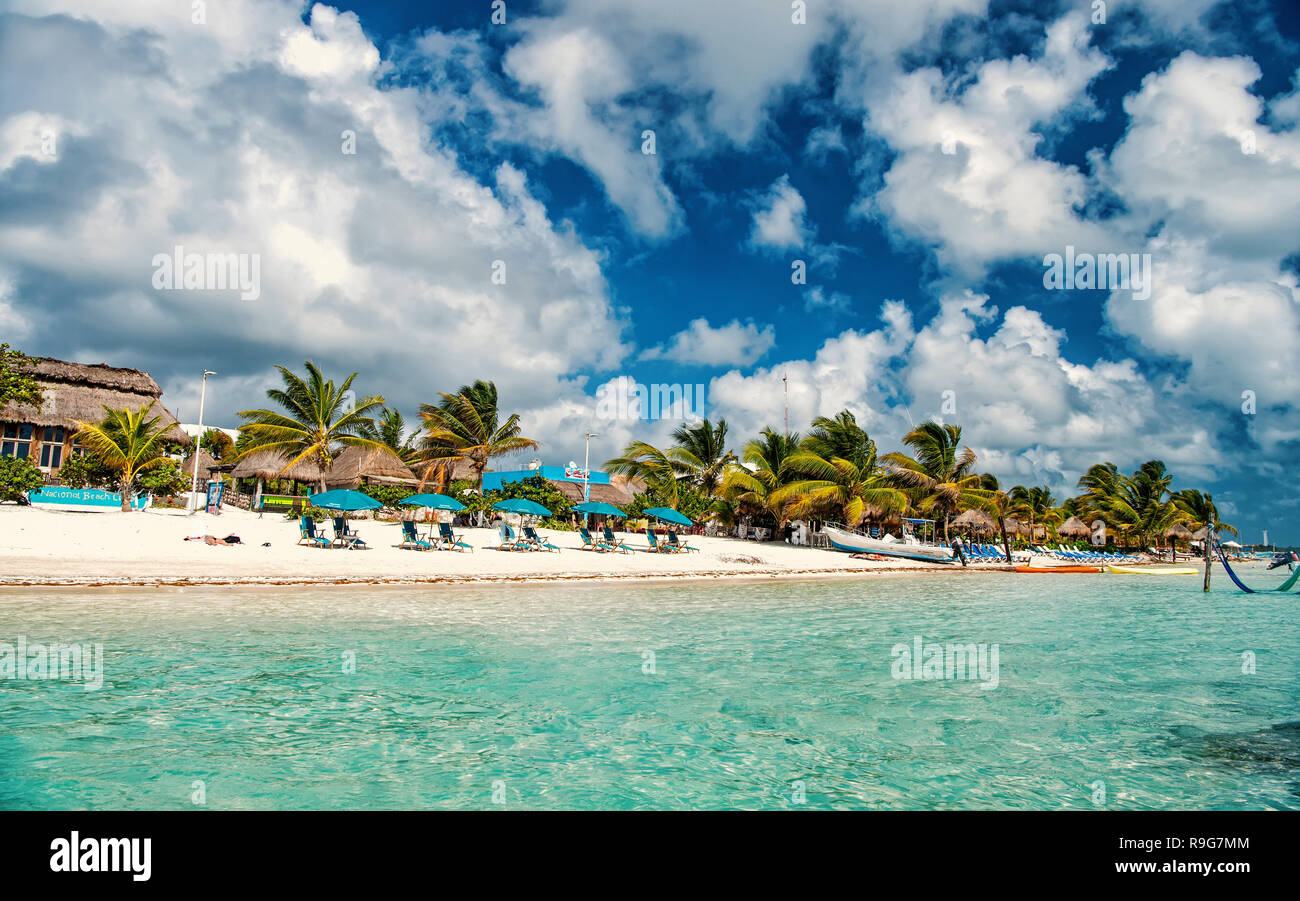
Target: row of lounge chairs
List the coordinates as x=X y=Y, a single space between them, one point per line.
x=531 y=541
x=990 y=553
x=1060 y=552
x=669 y=545
x=446 y=540
x=344 y=537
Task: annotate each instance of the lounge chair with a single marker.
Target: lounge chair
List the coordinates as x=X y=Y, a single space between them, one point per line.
x=540 y=543
x=678 y=545
x=307 y=533
x=411 y=541
x=614 y=542
x=591 y=544
x=448 y=541
x=653 y=540
x=345 y=537
x=509 y=541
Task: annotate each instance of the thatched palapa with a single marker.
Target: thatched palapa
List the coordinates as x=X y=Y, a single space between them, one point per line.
x=362 y=465
x=1074 y=527
x=80 y=392
x=270 y=464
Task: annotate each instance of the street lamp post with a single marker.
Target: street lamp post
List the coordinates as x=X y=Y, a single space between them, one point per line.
x=586 y=468
x=194 y=458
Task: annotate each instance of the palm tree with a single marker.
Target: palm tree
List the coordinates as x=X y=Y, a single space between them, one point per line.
x=702 y=451
x=837 y=487
x=314 y=422
x=130 y=443
x=469 y=426
x=841 y=437
x=1034 y=504
x=389 y=429
x=753 y=484
x=661 y=470
x=1135 y=506
x=1200 y=507
x=939 y=477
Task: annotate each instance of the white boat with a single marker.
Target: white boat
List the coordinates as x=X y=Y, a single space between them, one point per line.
x=909 y=546
x=83 y=500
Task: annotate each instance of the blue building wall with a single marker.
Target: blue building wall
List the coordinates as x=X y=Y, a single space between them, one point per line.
x=494 y=480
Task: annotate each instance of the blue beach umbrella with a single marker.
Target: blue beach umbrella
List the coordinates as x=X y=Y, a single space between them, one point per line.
x=521 y=506
x=432 y=502
x=598 y=507
x=344 y=499
x=668 y=514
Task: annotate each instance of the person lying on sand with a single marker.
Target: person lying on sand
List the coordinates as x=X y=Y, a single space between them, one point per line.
x=209 y=539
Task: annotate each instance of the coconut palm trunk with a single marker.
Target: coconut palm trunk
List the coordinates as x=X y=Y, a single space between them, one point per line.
x=1006 y=542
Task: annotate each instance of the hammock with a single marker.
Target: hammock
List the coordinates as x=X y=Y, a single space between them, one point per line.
x=1285 y=586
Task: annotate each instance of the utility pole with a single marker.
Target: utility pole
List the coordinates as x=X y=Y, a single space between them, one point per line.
x=198 y=443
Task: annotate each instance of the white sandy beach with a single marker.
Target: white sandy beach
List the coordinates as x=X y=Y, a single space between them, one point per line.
x=43 y=547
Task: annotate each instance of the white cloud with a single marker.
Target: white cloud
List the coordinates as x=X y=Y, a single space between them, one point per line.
x=733 y=344
x=779 y=217
x=818 y=299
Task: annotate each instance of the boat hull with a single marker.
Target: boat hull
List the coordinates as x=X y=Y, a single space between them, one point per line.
x=1152 y=570
x=1058 y=569
x=83 y=500
x=853 y=543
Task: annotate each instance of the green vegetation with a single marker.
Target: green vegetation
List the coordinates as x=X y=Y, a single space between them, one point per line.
x=17 y=476
x=129 y=443
x=16 y=383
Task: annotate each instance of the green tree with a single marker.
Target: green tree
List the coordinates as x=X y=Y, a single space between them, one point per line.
x=839 y=488
x=17 y=386
x=164 y=479
x=18 y=476
x=468 y=426
x=85 y=471
x=1200 y=507
x=129 y=443
x=313 y=420
x=939 y=475
x=390 y=430
x=217 y=443
x=752 y=485
x=702 y=452
x=1035 y=505
x=842 y=437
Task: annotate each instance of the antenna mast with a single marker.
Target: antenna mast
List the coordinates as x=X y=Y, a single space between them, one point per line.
x=785 y=384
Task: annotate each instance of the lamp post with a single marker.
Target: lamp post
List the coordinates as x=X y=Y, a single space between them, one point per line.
x=586 y=468
x=194 y=477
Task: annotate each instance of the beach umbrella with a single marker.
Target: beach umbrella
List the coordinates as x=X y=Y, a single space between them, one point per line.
x=1231 y=544
x=344 y=499
x=668 y=514
x=432 y=502
x=1074 y=527
x=598 y=507
x=521 y=506
x=974 y=520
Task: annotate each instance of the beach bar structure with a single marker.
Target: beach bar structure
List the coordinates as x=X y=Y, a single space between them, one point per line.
x=74 y=392
x=605 y=488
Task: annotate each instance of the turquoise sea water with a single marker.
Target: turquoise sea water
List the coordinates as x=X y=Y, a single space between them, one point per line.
x=773 y=694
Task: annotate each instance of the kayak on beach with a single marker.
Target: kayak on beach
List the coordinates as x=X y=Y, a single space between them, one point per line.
x=1153 y=570
x=1058 y=569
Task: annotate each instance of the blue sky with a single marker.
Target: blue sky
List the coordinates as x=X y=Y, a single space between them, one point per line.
x=920 y=158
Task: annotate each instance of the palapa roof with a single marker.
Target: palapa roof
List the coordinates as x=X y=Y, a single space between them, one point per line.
x=269 y=464
x=601 y=493
x=80 y=391
x=356 y=465
x=973 y=519
x=1074 y=526
x=205 y=462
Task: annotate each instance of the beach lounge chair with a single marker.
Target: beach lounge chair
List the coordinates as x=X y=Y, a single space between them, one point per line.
x=345 y=537
x=307 y=533
x=653 y=540
x=411 y=541
x=591 y=544
x=540 y=543
x=510 y=541
x=678 y=545
x=614 y=542
x=448 y=541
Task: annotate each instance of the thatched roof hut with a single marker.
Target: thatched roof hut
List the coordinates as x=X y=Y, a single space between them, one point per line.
x=270 y=464
x=361 y=465
x=1074 y=527
x=204 y=461
x=600 y=493
x=1178 y=532
x=79 y=392
x=975 y=520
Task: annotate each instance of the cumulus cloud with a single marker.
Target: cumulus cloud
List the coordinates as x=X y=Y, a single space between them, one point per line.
x=779 y=217
x=700 y=344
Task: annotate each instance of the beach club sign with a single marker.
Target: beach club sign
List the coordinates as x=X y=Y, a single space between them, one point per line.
x=91 y=500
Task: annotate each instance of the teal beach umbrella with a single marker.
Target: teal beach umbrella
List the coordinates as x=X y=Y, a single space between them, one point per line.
x=521 y=506
x=432 y=502
x=344 y=499
x=668 y=514
x=599 y=508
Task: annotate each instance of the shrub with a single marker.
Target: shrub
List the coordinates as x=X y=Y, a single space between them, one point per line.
x=17 y=476
x=80 y=471
x=164 y=479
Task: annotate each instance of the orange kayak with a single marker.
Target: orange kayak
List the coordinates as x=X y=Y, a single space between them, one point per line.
x=1058 y=569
